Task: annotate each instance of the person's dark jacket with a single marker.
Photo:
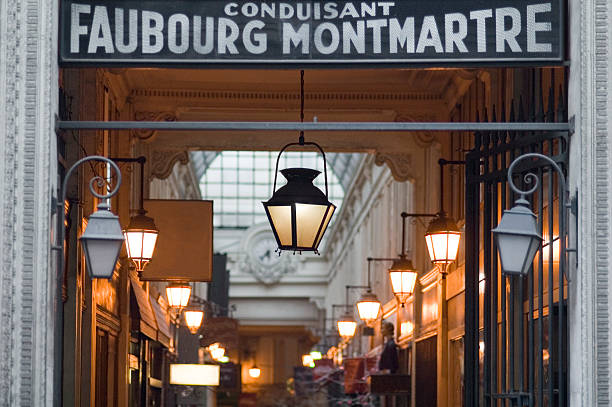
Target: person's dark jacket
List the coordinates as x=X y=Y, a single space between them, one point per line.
x=388 y=358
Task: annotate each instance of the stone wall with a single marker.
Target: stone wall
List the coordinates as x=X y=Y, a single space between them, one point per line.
x=28 y=104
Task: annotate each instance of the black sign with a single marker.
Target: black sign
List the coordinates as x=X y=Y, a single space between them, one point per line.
x=284 y=33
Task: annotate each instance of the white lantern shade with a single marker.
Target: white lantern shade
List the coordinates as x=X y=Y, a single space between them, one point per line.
x=368 y=308
x=347 y=326
x=101 y=242
x=255 y=372
x=193 y=319
x=178 y=295
x=517 y=239
x=403 y=279
x=299 y=212
x=442 y=238
x=140 y=239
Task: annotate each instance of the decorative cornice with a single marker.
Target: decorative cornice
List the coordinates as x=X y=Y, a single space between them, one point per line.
x=400 y=165
x=267 y=95
x=153 y=117
x=162 y=162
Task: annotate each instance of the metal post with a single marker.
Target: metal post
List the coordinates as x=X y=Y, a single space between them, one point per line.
x=59 y=247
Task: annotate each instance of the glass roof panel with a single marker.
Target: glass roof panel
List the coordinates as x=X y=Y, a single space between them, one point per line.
x=238 y=181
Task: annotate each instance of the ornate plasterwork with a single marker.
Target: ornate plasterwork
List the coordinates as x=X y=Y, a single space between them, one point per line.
x=144 y=134
x=163 y=161
x=268 y=268
x=400 y=165
x=422 y=139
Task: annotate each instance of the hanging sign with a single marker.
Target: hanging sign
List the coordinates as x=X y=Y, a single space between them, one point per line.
x=290 y=33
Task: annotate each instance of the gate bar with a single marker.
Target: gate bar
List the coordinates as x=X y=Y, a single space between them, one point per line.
x=313 y=126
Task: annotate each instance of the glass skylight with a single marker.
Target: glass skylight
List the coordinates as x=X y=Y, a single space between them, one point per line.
x=238 y=181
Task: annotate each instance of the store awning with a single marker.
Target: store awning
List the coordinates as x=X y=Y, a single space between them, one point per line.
x=163 y=327
x=147 y=324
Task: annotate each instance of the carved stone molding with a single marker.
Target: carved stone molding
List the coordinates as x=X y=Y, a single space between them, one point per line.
x=161 y=162
x=400 y=165
x=144 y=134
x=422 y=138
x=268 y=95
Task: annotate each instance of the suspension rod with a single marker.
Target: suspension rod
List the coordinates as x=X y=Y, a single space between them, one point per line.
x=311 y=126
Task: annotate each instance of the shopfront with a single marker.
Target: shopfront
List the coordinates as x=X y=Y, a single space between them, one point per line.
x=408 y=86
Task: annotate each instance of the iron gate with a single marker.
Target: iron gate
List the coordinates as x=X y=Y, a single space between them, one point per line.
x=516 y=327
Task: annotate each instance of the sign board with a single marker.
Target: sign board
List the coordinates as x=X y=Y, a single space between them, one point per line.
x=300 y=33
x=184 y=249
x=223 y=330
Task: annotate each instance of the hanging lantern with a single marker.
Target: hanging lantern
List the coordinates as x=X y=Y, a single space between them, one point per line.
x=517 y=239
x=140 y=238
x=178 y=295
x=216 y=351
x=193 y=319
x=403 y=279
x=442 y=238
x=101 y=242
x=347 y=326
x=254 y=372
x=368 y=308
x=299 y=212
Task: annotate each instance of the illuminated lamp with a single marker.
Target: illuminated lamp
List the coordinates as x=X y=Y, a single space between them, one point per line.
x=442 y=238
x=193 y=319
x=368 y=308
x=347 y=326
x=178 y=295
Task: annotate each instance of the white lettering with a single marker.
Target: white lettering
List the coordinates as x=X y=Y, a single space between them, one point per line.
x=302 y=14
x=368 y=10
x=76 y=29
x=333 y=43
x=296 y=37
x=376 y=25
x=533 y=27
x=173 y=44
x=152 y=26
x=268 y=9
x=386 y=6
x=429 y=37
x=349 y=9
x=249 y=9
x=209 y=36
x=260 y=40
x=507 y=36
x=286 y=11
x=119 y=32
x=225 y=39
x=451 y=37
x=481 y=27
x=100 y=32
x=402 y=35
x=231 y=9
x=330 y=11
x=350 y=36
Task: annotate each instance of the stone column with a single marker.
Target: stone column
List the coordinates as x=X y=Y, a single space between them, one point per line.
x=590 y=173
x=28 y=103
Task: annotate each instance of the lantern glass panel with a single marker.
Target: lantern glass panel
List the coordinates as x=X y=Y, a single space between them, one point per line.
x=443 y=247
x=516 y=252
x=178 y=295
x=330 y=212
x=101 y=256
x=347 y=328
x=308 y=221
x=193 y=319
x=368 y=310
x=281 y=221
x=402 y=283
x=255 y=372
